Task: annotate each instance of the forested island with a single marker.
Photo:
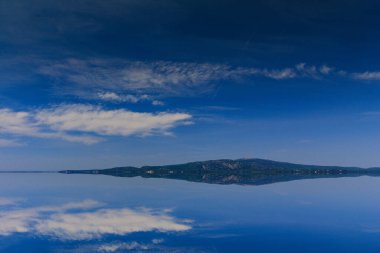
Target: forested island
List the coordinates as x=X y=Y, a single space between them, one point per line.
x=241 y=171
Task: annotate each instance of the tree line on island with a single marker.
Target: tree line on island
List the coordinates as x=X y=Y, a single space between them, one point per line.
x=241 y=171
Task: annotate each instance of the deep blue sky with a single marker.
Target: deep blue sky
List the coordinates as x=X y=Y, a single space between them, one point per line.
x=94 y=84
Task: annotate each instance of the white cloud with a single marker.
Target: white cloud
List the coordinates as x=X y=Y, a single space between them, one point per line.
x=88 y=122
x=324 y=69
x=16 y=122
x=94 y=119
x=287 y=73
x=87 y=222
x=24 y=124
x=112 y=96
x=308 y=71
x=157 y=102
x=375 y=75
x=117 y=98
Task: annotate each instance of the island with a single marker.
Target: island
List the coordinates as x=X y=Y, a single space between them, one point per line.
x=240 y=171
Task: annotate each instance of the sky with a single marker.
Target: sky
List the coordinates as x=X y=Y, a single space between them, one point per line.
x=97 y=84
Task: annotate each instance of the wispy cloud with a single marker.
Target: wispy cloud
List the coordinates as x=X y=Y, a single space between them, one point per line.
x=118 y=98
x=161 y=78
x=123 y=246
x=89 y=221
x=126 y=81
x=112 y=96
x=287 y=73
x=134 y=245
x=123 y=80
x=368 y=75
x=87 y=123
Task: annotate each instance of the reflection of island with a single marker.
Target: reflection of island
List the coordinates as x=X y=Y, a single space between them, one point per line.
x=242 y=171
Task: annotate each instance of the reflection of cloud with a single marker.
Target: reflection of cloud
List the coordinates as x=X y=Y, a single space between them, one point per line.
x=141 y=245
x=107 y=221
x=25 y=220
x=70 y=222
x=154 y=245
x=123 y=246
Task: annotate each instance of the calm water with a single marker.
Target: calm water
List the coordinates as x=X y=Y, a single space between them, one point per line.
x=93 y=213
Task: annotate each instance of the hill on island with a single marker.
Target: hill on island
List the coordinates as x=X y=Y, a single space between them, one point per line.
x=240 y=171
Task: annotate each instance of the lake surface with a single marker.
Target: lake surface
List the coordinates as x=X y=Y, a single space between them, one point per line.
x=94 y=213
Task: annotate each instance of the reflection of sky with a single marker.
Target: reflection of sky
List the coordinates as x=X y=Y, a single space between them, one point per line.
x=108 y=214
